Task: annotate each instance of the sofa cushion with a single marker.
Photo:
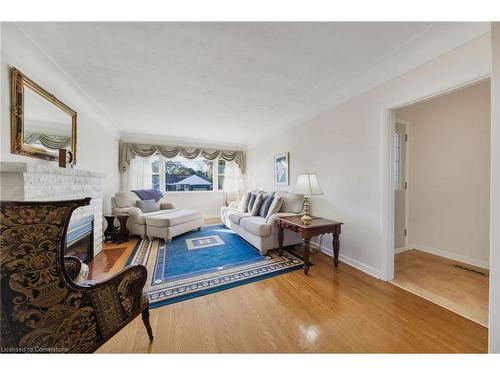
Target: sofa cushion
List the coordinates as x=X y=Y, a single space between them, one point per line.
x=148 y=205
x=275 y=206
x=235 y=217
x=125 y=199
x=173 y=217
x=141 y=217
x=243 y=203
x=256 y=204
x=266 y=203
x=292 y=203
x=256 y=225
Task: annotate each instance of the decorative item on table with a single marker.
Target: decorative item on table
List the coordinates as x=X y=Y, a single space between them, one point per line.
x=307 y=184
x=281 y=169
x=65 y=158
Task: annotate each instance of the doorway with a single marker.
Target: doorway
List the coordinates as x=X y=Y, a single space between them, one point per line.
x=441 y=182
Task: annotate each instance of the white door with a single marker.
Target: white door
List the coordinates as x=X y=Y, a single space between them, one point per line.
x=399 y=165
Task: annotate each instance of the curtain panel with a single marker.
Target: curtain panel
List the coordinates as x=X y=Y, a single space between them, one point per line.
x=129 y=151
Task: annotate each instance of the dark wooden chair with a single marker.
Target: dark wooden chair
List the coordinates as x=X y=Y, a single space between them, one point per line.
x=42 y=308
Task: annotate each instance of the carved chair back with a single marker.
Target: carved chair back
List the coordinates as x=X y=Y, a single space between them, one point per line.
x=42 y=308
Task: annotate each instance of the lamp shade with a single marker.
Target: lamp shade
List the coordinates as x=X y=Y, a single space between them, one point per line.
x=307 y=184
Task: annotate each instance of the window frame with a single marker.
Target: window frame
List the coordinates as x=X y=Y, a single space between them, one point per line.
x=162 y=176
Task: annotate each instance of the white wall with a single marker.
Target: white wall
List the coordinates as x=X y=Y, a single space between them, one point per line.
x=494 y=322
x=348 y=144
x=449 y=174
x=97 y=148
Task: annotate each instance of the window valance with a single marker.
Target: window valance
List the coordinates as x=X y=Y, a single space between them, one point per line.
x=128 y=151
x=54 y=142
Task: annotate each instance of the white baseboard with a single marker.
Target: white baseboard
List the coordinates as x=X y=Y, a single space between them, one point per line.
x=452 y=256
x=401 y=250
x=354 y=263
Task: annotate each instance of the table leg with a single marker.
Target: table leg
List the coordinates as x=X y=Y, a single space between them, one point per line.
x=123 y=234
x=110 y=228
x=306 y=256
x=336 y=245
x=280 y=239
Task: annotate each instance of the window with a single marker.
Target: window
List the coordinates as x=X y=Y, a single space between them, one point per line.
x=181 y=174
x=220 y=171
x=155 y=175
x=188 y=175
x=397 y=161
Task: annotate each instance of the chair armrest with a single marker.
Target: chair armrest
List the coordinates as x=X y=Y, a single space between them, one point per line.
x=128 y=284
x=166 y=206
x=233 y=204
x=130 y=211
x=272 y=219
x=73 y=265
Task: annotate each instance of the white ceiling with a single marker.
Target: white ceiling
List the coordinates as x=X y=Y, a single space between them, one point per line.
x=227 y=83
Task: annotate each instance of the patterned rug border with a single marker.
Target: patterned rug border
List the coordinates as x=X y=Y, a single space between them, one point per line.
x=191 y=287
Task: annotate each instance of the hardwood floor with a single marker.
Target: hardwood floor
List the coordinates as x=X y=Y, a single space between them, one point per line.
x=329 y=311
x=438 y=280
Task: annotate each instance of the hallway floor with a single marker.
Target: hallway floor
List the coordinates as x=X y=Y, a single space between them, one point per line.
x=444 y=282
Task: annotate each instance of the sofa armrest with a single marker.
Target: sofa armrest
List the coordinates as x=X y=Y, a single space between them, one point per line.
x=272 y=219
x=166 y=206
x=130 y=211
x=233 y=204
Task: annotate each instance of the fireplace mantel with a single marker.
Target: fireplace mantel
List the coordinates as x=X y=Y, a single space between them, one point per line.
x=25 y=181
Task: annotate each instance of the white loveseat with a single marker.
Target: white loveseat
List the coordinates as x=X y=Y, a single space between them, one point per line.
x=165 y=223
x=259 y=231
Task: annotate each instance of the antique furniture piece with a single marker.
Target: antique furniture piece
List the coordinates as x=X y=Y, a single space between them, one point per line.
x=42 y=308
x=260 y=231
x=40 y=123
x=307 y=184
x=169 y=221
x=316 y=227
x=65 y=158
x=117 y=234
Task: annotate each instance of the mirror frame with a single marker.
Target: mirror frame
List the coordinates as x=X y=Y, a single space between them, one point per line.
x=17 y=83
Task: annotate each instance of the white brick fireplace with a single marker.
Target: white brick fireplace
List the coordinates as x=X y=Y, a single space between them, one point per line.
x=42 y=182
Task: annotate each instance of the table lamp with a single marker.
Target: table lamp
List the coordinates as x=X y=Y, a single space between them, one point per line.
x=307 y=184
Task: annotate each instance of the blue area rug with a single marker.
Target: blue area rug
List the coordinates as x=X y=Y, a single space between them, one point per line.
x=202 y=262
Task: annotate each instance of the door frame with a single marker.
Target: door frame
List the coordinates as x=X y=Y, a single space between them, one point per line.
x=407 y=180
x=389 y=127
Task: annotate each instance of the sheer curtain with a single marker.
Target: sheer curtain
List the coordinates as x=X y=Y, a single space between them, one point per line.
x=138 y=175
x=233 y=180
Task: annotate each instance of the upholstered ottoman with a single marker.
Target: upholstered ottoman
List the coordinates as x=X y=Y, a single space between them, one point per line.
x=173 y=223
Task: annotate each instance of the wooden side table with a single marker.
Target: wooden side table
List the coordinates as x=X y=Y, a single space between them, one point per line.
x=316 y=227
x=117 y=234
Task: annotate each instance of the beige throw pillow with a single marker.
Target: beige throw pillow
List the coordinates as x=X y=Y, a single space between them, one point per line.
x=256 y=204
x=274 y=207
x=243 y=203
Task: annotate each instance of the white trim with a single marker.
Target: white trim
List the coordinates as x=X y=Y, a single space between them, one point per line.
x=401 y=250
x=452 y=256
x=353 y=263
x=494 y=311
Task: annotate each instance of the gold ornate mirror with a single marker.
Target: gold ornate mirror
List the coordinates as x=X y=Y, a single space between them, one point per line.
x=41 y=123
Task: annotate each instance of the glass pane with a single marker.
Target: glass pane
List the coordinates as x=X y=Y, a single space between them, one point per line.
x=222 y=166
x=397 y=161
x=156 y=181
x=155 y=164
x=221 y=182
x=188 y=175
